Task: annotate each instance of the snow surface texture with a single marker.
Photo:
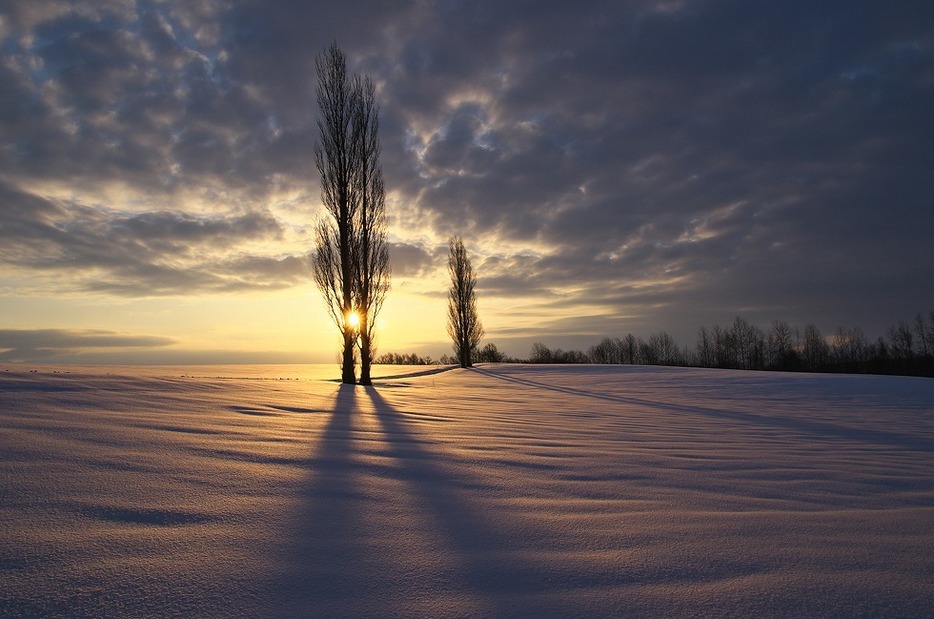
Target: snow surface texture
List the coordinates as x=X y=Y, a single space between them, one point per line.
x=501 y=491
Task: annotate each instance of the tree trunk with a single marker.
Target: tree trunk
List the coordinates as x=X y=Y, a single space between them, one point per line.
x=347 y=365
x=365 y=352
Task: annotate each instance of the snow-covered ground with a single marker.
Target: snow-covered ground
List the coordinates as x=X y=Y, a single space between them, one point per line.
x=501 y=491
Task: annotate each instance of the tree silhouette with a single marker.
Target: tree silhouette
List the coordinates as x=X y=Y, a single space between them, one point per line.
x=351 y=261
x=783 y=346
x=704 y=352
x=907 y=349
x=463 y=323
x=490 y=354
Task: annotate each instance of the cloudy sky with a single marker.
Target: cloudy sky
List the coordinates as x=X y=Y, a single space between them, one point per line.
x=613 y=167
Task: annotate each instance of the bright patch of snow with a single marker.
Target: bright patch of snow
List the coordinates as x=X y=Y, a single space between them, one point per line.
x=500 y=491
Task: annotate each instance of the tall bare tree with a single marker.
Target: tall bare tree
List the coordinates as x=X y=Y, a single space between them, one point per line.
x=370 y=249
x=335 y=155
x=463 y=323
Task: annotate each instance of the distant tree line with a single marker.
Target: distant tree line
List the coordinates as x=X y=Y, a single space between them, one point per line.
x=488 y=354
x=906 y=348
x=391 y=358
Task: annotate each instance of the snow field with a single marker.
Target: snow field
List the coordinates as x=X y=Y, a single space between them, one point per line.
x=499 y=491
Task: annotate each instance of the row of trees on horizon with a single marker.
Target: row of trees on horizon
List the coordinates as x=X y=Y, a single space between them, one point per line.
x=906 y=348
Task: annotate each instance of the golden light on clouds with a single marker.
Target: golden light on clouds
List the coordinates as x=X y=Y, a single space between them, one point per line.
x=158 y=175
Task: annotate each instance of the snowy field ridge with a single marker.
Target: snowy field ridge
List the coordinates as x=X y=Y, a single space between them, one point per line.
x=501 y=491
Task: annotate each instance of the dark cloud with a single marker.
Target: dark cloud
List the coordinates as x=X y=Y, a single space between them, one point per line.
x=410 y=260
x=667 y=163
x=34 y=344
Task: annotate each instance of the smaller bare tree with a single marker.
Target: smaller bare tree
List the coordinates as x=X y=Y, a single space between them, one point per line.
x=902 y=341
x=630 y=349
x=814 y=349
x=782 y=345
x=607 y=351
x=463 y=322
x=704 y=355
x=924 y=334
x=664 y=349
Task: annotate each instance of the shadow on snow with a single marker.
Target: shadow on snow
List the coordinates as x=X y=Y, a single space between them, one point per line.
x=389 y=526
x=818 y=428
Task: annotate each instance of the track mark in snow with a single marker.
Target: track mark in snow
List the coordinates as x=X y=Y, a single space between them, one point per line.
x=255 y=412
x=273 y=410
x=298 y=409
x=182 y=429
x=143 y=516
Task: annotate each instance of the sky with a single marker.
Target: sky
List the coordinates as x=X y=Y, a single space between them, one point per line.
x=613 y=168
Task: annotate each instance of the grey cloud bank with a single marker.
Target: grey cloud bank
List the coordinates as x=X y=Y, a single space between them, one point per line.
x=641 y=165
x=29 y=344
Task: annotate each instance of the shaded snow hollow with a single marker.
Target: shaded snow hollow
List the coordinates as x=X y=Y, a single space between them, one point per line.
x=506 y=490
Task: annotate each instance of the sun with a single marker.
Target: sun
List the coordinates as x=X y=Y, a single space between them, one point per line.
x=353 y=319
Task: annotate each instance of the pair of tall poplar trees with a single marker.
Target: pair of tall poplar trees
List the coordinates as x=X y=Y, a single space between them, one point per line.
x=351 y=264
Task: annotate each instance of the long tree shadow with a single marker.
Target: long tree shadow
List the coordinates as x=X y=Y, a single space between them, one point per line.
x=330 y=564
x=818 y=428
x=391 y=525
x=482 y=540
